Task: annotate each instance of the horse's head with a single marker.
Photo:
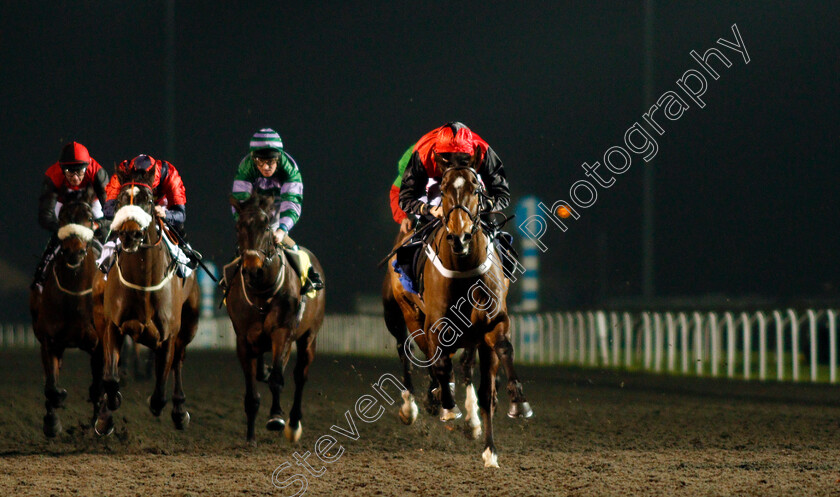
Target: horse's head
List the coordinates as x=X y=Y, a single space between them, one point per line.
x=75 y=230
x=135 y=208
x=460 y=201
x=254 y=235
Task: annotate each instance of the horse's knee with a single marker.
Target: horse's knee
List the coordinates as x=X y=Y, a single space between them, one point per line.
x=504 y=348
x=252 y=404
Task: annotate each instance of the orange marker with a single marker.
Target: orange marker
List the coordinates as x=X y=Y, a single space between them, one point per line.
x=563 y=212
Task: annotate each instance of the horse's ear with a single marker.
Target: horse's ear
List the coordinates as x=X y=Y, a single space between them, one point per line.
x=234 y=203
x=90 y=195
x=122 y=175
x=149 y=176
x=475 y=160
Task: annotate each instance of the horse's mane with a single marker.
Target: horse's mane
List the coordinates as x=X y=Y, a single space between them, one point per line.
x=254 y=204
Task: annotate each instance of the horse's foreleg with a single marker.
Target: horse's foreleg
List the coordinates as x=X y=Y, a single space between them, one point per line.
x=395 y=322
x=519 y=406
x=472 y=420
x=112 y=340
x=95 y=391
x=279 y=347
x=163 y=365
x=442 y=370
x=51 y=361
x=252 y=397
x=305 y=356
x=180 y=415
x=487 y=401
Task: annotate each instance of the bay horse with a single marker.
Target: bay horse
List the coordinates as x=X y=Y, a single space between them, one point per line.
x=264 y=305
x=143 y=298
x=62 y=314
x=463 y=305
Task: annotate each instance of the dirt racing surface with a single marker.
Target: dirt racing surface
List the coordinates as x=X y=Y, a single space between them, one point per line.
x=594 y=433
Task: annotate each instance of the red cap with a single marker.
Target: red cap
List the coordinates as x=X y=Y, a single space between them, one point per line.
x=460 y=141
x=74 y=154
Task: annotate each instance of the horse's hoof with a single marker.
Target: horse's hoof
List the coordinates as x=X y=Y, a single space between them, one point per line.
x=114 y=401
x=450 y=414
x=155 y=408
x=520 y=410
x=408 y=411
x=275 y=424
x=293 y=435
x=181 y=420
x=52 y=425
x=104 y=427
x=490 y=458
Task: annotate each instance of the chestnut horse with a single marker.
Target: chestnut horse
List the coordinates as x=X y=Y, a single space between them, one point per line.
x=264 y=305
x=143 y=298
x=62 y=314
x=463 y=305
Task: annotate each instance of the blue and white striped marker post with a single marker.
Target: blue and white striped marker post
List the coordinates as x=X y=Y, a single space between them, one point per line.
x=525 y=208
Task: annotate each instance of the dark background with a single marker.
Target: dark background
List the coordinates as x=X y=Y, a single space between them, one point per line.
x=745 y=188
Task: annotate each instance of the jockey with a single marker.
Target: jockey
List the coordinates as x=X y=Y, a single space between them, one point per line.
x=170 y=198
x=269 y=170
x=69 y=178
x=416 y=193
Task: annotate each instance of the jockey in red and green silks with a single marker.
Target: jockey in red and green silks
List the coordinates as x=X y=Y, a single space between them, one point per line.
x=269 y=170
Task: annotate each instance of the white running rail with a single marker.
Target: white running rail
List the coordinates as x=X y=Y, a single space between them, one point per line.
x=764 y=345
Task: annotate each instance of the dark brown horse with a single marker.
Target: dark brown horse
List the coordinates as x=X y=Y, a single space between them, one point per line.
x=143 y=298
x=62 y=315
x=264 y=304
x=463 y=305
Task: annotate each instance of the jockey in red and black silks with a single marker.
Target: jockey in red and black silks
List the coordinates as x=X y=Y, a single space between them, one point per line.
x=420 y=167
x=70 y=178
x=168 y=189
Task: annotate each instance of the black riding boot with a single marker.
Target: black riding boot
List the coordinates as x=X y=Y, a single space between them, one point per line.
x=41 y=271
x=314 y=278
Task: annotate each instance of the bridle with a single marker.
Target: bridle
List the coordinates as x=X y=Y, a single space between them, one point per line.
x=269 y=255
x=158 y=223
x=474 y=218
